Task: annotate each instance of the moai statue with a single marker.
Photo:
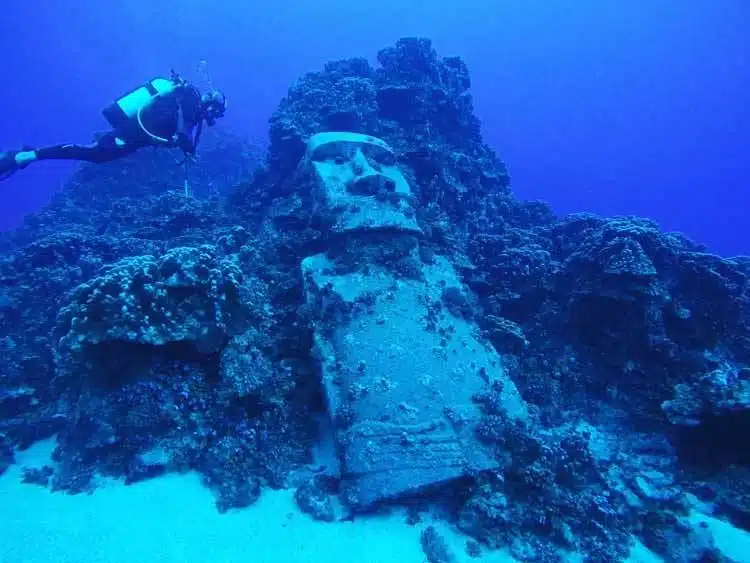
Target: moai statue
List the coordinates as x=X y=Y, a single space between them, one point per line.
x=399 y=355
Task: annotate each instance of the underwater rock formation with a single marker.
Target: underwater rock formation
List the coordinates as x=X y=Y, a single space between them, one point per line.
x=719 y=393
x=578 y=376
x=186 y=295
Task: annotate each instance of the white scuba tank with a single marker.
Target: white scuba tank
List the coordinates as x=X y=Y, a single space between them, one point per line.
x=140 y=98
x=122 y=114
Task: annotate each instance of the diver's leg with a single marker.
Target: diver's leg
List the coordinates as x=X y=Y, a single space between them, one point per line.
x=108 y=148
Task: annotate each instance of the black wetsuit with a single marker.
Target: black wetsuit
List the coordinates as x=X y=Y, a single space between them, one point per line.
x=178 y=112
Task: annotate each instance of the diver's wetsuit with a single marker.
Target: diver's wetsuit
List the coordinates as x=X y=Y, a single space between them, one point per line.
x=162 y=119
x=105 y=149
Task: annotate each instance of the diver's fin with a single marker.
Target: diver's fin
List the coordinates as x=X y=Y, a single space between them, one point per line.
x=8 y=165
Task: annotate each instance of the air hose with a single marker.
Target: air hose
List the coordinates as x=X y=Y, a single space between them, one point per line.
x=186 y=185
x=147 y=132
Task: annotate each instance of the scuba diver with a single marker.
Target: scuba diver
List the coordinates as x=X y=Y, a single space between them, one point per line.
x=165 y=112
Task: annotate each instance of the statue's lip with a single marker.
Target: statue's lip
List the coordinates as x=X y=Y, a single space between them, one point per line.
x=408 y=198
x=396 y=229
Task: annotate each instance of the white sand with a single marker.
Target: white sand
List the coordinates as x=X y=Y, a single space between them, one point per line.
x=173 y=518
x=732 y=542
x=641 y=554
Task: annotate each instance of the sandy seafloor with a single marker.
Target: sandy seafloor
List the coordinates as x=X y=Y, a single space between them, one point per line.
x=174 y=519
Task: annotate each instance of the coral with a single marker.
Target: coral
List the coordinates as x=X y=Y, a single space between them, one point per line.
x=435 y=547
x=229 y=465
x=314 y=498
x=247 y=370
x=187 y=295
x=721 y=392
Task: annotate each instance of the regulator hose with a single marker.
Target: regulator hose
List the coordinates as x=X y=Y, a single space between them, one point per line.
x=147 y=132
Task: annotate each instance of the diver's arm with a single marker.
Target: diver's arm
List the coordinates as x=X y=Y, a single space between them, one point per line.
x=188 y=119
x=185 y=138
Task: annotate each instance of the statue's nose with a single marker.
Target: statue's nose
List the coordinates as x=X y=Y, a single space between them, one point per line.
x=361 y=164
x=372 y=184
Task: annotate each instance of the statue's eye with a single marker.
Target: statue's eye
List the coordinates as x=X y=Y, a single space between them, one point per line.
x=339 y=159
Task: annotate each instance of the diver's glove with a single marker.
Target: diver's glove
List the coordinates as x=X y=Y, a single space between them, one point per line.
x=185 y=144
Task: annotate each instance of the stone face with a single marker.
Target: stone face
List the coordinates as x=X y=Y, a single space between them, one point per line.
x=399 y=372
x=358 y=184
x=394 y=336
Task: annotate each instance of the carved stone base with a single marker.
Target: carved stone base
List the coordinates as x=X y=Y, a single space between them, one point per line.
x=399 y=371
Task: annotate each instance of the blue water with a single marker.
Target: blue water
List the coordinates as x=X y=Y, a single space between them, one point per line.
x=594 y=105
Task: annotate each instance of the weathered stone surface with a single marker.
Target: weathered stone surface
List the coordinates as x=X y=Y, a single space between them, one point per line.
x=399 y=372
x=358 y=185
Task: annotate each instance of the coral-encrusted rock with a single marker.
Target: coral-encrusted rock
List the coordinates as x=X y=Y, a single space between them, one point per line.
x=709 y=413
x=435 y=547
x=187 y=295
x=645 y=300
x=314 y=498
x=724 y=391
x=418 y=103
x=247 y=370
x=625 y=257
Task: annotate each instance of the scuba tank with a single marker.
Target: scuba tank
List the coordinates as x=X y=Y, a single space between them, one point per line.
x=123 y=114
